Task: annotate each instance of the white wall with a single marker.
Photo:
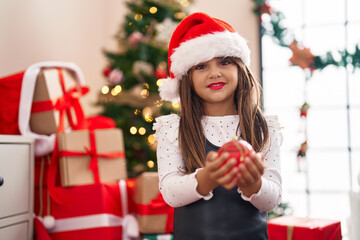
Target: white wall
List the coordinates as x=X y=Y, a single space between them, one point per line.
x=77 y=31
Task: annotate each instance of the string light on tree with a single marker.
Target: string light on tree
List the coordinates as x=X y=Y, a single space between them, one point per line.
x=150 y=164
x=159 y=82
x=142 y=131
x=116 y=90
x=105 y=90
x=138 y=17
x=148 y=117
x=147 y=114
x=144 y=93
x=153 y=10
x=175 y=105
x=151 y=139
x=133 y=130
x=179 y=15
x=185 y=3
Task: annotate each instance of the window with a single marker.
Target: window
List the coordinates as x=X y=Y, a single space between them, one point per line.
x=332 y=127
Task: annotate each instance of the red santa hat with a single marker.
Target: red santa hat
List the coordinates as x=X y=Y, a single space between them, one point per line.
x=199 y=38
x=44 y=144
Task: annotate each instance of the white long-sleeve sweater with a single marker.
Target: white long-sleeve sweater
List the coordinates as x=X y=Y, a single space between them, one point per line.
x=179 y=189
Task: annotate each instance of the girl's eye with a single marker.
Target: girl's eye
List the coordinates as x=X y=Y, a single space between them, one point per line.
x=199 y=67
x=224 y=62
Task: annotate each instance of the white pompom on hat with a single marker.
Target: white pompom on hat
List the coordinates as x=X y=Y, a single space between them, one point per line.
x=199 y=38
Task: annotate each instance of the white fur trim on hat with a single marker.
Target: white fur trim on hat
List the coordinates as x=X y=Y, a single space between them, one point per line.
x=207 y=47
x=44 y=144
x=169 y=89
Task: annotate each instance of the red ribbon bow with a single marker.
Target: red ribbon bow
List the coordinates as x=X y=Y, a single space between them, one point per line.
x=69 y=99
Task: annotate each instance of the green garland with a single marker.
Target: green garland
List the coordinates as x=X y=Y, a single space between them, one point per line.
x=283 y=37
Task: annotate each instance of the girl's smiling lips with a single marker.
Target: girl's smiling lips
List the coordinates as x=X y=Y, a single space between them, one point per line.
x=216 y=86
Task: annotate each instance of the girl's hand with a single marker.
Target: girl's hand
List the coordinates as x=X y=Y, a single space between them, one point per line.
x=215 y=174
x=250 y=172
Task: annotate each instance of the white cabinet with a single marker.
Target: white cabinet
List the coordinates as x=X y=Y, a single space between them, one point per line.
x=17 y=187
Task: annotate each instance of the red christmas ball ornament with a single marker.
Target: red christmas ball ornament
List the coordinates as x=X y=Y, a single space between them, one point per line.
x=107 y=71
x=161 y=74
x=238 y=149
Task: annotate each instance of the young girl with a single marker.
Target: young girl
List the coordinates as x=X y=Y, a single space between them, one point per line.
x=212 y=196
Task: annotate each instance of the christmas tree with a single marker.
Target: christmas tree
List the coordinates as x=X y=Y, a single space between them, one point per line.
x=134 y=74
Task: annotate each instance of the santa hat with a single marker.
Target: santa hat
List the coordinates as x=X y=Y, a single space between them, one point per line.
x=199 y=38
x=44 y=144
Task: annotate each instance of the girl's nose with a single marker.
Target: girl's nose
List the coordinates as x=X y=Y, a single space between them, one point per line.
x=214 y=72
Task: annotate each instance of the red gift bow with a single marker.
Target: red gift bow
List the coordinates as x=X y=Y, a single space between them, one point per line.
x=70 y=99
x=158 y=206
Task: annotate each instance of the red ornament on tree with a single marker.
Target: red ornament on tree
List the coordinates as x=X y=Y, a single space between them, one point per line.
x=161 y=74
x=238 y=149
x=107 y=71
x=161 y=70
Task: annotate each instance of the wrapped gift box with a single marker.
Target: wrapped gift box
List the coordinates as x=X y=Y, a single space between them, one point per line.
x=49 y=97
x=91 y=156
x=92 y=212
x=296 y=228
x=42 y=163
x=152 y=213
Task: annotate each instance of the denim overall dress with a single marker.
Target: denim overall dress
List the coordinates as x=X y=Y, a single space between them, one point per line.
x=226 y=216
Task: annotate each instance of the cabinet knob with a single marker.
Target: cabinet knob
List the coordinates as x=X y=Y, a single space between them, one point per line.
x=1 y=181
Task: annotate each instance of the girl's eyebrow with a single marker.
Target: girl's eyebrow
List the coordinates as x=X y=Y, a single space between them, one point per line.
x=224 y=57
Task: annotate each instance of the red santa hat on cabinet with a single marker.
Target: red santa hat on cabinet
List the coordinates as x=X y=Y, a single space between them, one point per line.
x=199 y=38
x=44 y=144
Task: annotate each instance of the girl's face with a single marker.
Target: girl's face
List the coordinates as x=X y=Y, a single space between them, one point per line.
x=215 y=82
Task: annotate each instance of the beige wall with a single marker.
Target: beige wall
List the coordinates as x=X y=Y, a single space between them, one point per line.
x=77 y=31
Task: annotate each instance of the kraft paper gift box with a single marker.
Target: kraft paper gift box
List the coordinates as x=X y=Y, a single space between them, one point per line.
x=91 y=212
x=296 y=228
x=152 y=213
x=42 y=163
x=91 y=156
x=56 y=90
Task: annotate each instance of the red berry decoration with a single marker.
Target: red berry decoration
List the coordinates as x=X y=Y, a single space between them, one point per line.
x=238 y=149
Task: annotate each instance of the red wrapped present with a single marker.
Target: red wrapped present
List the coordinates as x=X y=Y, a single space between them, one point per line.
x=92 y=212
x=296 y=228
x=152 y=212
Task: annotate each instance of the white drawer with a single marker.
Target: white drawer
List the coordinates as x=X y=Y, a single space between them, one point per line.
x=15 y=170
x=17 y=231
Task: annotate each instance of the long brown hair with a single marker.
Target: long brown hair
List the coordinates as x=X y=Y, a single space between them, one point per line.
x=252 y=123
